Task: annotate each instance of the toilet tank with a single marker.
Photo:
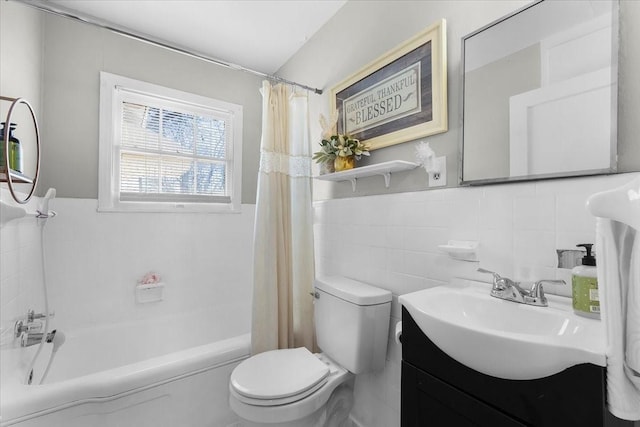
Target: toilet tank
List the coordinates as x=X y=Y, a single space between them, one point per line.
x=352 y=322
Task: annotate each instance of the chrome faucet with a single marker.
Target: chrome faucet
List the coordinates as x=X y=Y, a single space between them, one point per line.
x=29 y=329
x=27 y=339
x=507 y=289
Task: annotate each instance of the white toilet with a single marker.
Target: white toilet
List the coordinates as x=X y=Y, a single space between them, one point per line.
x=293 y=387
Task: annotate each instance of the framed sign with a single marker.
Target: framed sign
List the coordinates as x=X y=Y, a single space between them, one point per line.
x=400 y=96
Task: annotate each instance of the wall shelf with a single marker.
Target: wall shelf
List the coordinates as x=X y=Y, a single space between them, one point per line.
x=16 y=177
x=384 y=169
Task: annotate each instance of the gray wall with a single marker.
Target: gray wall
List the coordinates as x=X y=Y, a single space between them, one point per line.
x=75 y=53
x=629 y=87
x=20 y=71
x=361 y=31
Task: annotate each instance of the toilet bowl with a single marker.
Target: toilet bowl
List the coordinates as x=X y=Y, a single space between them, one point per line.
x=296 y=388
x=284 y=386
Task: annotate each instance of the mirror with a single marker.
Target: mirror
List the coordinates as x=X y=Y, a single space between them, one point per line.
x=540 y=93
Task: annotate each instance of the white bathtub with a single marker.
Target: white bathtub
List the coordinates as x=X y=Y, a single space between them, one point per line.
x=167 y=373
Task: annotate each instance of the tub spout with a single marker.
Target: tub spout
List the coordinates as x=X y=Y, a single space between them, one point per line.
x=28 y=339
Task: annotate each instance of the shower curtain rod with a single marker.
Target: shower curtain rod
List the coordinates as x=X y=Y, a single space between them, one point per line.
x=64 y=12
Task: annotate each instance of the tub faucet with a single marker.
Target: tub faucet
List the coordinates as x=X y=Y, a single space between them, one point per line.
x=29 y=329
x=30 y=322
x=27 y=339
x=507 y=289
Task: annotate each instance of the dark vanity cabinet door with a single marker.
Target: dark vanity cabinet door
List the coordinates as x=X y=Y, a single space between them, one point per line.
x=438 y=391
x=428 y=401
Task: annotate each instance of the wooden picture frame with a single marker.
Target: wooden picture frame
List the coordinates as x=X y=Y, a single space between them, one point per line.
x=399 y=97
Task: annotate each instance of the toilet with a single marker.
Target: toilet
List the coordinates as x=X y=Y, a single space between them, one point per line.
x=294 y=387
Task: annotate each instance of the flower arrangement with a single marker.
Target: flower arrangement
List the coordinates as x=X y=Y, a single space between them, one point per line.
x=334 y=145
x=340 y=146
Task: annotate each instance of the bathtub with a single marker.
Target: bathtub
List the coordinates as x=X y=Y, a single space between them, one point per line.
x=162 y=373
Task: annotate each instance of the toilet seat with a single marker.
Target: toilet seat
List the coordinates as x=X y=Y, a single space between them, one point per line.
x=274 y=413
x=278 y=377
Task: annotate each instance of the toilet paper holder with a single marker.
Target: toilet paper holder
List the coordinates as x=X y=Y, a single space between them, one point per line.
x=398 y=332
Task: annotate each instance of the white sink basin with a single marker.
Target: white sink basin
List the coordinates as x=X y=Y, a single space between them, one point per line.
x=502 y=338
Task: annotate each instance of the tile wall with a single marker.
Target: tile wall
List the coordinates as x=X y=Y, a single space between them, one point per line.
x=391 y=241
x=95 y=259
x=20 y=272
x=387 y=240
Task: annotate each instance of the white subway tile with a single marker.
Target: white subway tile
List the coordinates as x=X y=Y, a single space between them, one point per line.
x=534 y=213
x=376 y=236
x=395 y=260
x=396 y=213
x=425 y=239
x=395 y=237
x=464 y=219
x=495 y=251
x=415 y=238
x=10 y=310
x=496 y=212
x=400 y=283
x=9 y=237
x=572 y=215
x=9 y=263
x=378 y=257
x=535 y=249
x=436 y=213
x=440 y=267
x=416 y=263
x=413 y=214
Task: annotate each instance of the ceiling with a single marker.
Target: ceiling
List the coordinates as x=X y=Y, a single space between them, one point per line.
x=257 y=34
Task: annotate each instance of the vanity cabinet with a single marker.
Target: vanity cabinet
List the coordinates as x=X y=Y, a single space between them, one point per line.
x=439 y=391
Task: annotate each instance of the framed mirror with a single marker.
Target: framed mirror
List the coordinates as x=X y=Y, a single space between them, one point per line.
x=539 y=93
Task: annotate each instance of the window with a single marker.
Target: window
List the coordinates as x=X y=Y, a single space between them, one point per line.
x=167 y=150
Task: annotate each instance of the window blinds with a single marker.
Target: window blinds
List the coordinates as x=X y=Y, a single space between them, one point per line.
x=173 y=152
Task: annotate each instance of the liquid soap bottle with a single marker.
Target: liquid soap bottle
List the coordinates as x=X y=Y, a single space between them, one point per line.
x=15 y=150
x=584 y=285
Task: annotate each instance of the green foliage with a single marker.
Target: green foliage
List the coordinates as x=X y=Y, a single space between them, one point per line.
x=340 y=145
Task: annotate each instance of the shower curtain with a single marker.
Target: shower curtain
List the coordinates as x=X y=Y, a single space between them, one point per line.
x=283 y=273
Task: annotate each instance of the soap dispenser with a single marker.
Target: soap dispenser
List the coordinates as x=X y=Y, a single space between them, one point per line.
x=15 y=149
x=584 y=285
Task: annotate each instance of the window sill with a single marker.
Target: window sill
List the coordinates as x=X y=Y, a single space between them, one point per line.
x=171 y=208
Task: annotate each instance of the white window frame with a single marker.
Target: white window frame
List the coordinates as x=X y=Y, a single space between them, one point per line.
x=112 y=90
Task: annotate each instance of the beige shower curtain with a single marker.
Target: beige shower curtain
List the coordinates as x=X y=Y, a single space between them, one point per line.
x=283 y=236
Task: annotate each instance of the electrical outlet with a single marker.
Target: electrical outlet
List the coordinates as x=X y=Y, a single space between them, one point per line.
x=439 y=179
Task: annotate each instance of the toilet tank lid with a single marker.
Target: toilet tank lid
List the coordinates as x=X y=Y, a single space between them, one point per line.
x=352 y=291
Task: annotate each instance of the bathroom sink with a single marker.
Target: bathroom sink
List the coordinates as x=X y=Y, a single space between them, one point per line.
x=505 y=339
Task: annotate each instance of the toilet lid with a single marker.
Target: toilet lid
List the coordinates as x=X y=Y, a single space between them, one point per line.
x=278 y=374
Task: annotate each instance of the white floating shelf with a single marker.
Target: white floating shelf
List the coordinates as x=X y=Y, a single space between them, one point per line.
x=16 y=177
x=385 y=169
